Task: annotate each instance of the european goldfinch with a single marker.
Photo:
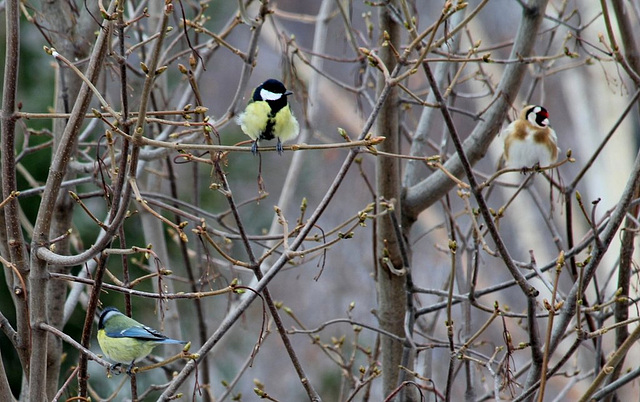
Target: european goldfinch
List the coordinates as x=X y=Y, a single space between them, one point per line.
x=529 y=140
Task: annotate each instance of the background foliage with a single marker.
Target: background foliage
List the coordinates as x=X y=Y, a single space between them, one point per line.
x=409 y=269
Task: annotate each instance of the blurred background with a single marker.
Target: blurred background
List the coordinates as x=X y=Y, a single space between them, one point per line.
x=573 y=75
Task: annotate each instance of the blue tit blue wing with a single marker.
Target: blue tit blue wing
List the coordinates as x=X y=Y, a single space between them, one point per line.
x=143 y=333
x=133 y=332
x=171 y=341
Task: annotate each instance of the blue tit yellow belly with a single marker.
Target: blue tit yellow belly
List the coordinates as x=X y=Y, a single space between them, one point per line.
x=124 y=350
x=257 y=122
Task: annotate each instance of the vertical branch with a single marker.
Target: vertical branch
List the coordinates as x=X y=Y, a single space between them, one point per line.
x=625 y=269
x=615 y=359
x=39 y=273
x=311 y=392
x=630 y=63
x=5 y=388
x=145 y=94
x=551 y=308
x=607 y=236
x=449 y=322
x=628 y=37
x=390 y=284
x=296 y=168
x=627 y=247
x=193 y=280
x=235 y=314
x=83 y=378
x=12 y=237
x=124 y=100
x=427 y=116
x=422 y=195
x=247 y=68
x=616 y=219
x=68 y=37
x=527 y=289
x=151 y=227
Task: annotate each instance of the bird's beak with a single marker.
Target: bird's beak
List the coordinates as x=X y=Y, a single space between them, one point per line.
x=288 y=93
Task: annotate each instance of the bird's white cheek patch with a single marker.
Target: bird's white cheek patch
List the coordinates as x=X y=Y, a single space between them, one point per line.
x=269 y=96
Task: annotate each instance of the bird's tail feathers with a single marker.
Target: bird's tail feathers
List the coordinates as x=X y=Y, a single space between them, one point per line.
x=172 y=341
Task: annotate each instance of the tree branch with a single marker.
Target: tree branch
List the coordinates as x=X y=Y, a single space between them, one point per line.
x=419 y=197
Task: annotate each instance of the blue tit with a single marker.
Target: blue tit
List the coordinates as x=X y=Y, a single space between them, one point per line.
x=126 y=341
x=268 y=115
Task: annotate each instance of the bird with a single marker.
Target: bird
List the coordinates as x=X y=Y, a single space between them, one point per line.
x=530 y=141
x=125 y=340
x=268 y=115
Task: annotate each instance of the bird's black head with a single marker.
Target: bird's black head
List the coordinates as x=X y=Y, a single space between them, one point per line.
x=273 y=92
x=538 y=116
x=105 y=315
x=274 y=86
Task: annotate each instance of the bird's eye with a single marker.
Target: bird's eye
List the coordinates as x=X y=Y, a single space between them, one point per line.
x=543 y=112
x=542 y=117
x=538 y=116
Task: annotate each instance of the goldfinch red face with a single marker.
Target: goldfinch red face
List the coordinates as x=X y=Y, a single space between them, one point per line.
x=537 y=116
x=529 y=140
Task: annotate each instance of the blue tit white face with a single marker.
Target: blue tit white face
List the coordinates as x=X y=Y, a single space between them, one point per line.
x=268 y=115
x=125 y=340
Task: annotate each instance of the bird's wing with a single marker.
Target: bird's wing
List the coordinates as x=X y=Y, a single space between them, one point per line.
x=143 y=333
x=138 y=332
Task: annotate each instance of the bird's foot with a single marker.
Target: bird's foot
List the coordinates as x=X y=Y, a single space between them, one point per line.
x=131 y=369
x=254 y=147
x=279 y=147
x=536 y=168
x=531 y=169
x=114 y=368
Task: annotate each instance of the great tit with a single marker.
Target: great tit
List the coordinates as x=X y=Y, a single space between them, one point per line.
x=268 y=116
x=126 y=341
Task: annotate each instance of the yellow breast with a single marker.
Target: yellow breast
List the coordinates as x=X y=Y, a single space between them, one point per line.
x=253 y=120
x=286 y=126
x=124 y=350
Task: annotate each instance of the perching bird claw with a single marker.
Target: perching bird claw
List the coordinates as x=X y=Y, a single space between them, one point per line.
x=531 y=170
x=132 y=369
x=114 y=368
